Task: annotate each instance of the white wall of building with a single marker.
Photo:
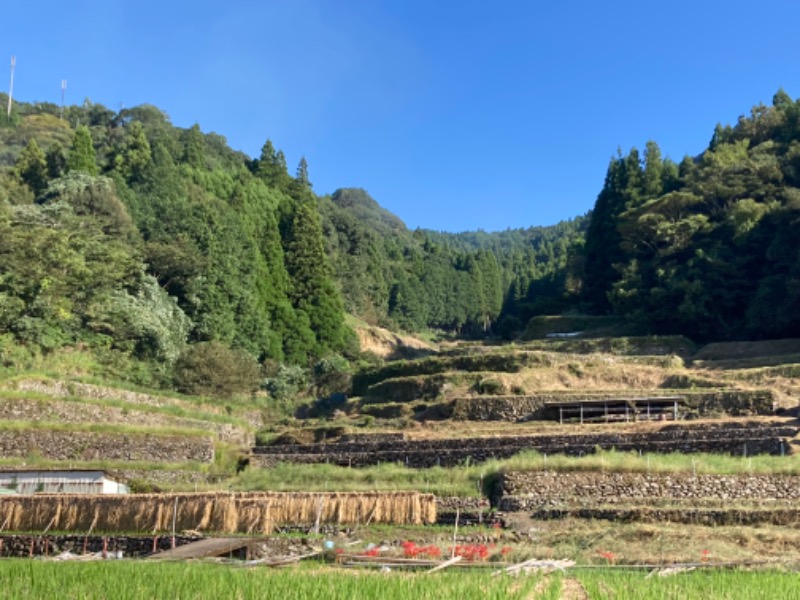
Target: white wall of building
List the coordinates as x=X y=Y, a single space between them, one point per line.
x=61 y=482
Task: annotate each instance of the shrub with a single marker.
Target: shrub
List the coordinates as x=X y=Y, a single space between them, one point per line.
x=332 y=376
x=213 y=369
x=289 y=382
x=490 y=387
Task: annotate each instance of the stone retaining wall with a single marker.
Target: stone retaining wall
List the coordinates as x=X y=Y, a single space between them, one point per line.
x=499 y=408
x=702 y=499
x=64 y=411
x=715 y=518
x=467 y=510
x=571 y=486
x=85 y=390
x=53 y=444
x=730 y=438
x=164 y=479
x=23 y=546
x=373 y=438
x=701 y=403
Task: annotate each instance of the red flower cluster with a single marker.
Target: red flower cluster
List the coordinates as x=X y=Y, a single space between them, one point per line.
x=374 y=551
x=411 y=550
x=609 y=556
x=472 y=552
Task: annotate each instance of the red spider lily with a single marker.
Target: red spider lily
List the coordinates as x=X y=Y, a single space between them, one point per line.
x=411 y=550
x=704 y=557
x=472 y=552
x=609 y=556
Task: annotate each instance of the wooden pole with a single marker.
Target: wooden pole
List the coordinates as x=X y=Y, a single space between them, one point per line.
x=11 y=85
x=174 y=519
x=320 y=506
x=455 y=532
x=2 y=528
x=91 y=528
x=446 y=564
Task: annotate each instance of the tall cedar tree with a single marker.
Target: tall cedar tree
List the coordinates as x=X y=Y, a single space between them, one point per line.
x=81 y=155
x=603 y=239
x=313 y=290
x=134 y=157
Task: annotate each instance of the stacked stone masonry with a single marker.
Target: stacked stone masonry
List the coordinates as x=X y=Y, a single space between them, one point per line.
x=702 y=499
x=699 y=403
x=88 y=446
x=733 y=438
x=560 y=485
x=85 y=390
x=23 y=546
x=64 y=411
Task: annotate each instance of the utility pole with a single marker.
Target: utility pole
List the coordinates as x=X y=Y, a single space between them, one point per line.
x=63 y=93
x=11 y=85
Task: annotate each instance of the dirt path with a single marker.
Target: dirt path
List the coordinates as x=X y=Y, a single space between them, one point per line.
x=571 y=589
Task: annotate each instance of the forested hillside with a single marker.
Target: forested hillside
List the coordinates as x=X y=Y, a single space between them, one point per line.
x=708 y=247
x=142 y=241
x=122 y=233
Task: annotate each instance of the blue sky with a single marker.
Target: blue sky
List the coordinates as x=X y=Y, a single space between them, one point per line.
x=455 y=115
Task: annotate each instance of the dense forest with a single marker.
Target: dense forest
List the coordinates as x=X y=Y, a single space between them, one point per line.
x=707 y=247
x=122 y=233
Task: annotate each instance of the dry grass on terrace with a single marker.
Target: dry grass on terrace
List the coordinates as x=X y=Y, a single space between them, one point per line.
x=458 y=429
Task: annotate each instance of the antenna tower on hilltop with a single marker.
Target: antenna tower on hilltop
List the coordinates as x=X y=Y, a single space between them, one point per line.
x=11 y=85
x=63 y=92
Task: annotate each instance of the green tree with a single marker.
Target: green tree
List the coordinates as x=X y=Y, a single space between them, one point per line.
x=81 y=155
x=31 y=167
x=146 y=321
x=313 y=291
x=603 y=239
x=214 y=369
x=653 y=170
x=302 y=174
x=194 y=147
x=56 y=161
x=134 y=157
x=92 y=197
x=269 y=168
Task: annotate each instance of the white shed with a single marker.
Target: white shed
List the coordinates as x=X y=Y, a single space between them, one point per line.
x=61 y=482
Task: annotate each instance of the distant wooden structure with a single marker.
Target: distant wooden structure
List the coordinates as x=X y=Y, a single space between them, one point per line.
x=593 y=410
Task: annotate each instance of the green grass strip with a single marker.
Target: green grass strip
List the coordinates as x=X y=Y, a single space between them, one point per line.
x=136 y=580
x=108 y=428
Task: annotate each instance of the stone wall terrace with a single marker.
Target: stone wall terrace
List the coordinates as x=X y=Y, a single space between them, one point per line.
x=613 y=486
x=732 y=438
x=68 y=445
x=64 y=411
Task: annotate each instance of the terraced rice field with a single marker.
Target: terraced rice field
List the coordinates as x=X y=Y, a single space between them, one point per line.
x=127 y=580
